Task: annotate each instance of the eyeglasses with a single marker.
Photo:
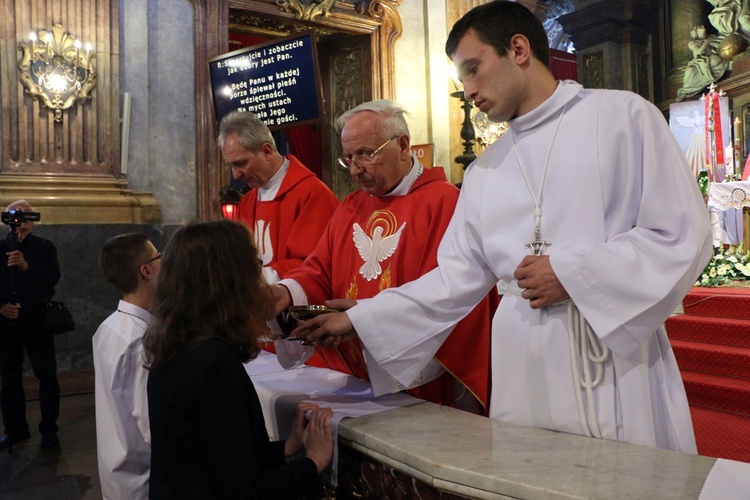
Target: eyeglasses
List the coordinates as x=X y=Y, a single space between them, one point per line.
x=149 y=261
x=362 y=159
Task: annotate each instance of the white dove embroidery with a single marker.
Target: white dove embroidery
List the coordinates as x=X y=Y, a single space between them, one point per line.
x=376 y=250
x=263 y=241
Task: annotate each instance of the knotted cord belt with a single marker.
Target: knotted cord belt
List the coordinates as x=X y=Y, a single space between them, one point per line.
x=587 y=354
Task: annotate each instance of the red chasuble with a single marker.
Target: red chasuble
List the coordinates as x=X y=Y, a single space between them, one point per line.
x=287 y=228
x=373 y=243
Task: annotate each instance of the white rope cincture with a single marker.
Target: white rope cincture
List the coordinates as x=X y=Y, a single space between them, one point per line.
x=585 y=345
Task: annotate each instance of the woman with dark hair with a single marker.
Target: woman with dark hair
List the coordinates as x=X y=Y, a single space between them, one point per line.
x=208 y=434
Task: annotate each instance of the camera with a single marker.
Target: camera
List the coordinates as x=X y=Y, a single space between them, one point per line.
x=14 y=218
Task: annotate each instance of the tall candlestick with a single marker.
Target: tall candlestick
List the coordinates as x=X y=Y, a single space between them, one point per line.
x=737 y=145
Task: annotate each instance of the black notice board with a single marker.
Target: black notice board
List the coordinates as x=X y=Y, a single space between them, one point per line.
x=277 y=80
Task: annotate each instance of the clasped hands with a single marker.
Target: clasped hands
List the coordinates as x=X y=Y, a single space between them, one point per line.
x=314 y=437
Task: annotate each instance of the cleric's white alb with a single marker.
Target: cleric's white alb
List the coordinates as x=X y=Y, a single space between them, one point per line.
x=630 y=235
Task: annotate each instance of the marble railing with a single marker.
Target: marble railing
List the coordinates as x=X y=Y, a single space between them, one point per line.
x=403 y=447
x=476 y=457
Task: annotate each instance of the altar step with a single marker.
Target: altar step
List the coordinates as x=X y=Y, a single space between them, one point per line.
x=712 y=302
x=718 y=392
x=722 y=360
x=720 y=434
x=711 y=342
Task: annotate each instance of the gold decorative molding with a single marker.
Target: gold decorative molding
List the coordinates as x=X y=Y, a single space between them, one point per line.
x=81 y=200
x=247 y=22
x=307 y=9
x=56 y=69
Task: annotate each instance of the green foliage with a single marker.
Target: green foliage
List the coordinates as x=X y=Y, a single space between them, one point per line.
x=703 y=183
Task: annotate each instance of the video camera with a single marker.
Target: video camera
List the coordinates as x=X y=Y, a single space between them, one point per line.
x=14 y=218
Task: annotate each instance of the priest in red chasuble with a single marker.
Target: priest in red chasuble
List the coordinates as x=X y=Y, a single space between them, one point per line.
x=382 y=236
x=287 y=207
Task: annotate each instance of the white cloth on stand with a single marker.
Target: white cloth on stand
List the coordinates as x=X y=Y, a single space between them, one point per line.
x=726 y=201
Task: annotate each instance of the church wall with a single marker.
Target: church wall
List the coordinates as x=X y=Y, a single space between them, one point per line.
x=422 y=76
x=157 y=69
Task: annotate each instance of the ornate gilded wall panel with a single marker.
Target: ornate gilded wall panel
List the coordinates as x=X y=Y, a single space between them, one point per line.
x=86 y=140
x=68 y=169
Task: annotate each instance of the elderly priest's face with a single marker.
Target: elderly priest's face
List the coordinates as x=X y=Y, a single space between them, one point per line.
x=363 y=135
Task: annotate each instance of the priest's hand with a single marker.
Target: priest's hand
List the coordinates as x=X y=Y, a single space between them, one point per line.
x=326 y=329
x=341 y=304
x=539 y=282
x=281 y=297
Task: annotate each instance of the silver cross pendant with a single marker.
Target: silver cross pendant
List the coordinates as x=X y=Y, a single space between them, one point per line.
x=538 y=246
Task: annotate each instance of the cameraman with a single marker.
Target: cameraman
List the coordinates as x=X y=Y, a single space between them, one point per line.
x=29 y=272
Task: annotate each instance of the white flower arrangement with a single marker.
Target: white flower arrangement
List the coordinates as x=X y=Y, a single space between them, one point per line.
x=726 y=265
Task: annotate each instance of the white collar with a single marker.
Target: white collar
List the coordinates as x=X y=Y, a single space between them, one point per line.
x=409 y=179
x=269 y=189
x=566 y=91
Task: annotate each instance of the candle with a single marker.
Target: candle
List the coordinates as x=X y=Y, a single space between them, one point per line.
x=737 y=131
x=737 y=145
x=32 y=37
x=77 y=45
x=49 y=45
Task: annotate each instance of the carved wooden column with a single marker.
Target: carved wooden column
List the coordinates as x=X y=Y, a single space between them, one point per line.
x=612 y=40
x=69 y=169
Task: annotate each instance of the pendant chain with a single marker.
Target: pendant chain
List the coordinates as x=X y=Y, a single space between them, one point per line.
x=538 y=245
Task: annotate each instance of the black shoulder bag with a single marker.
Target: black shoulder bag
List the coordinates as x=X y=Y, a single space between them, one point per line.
x=57 y=318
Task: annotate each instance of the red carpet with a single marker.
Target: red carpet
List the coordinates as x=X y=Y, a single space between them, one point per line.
x=712 y=346
x=720 y=434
